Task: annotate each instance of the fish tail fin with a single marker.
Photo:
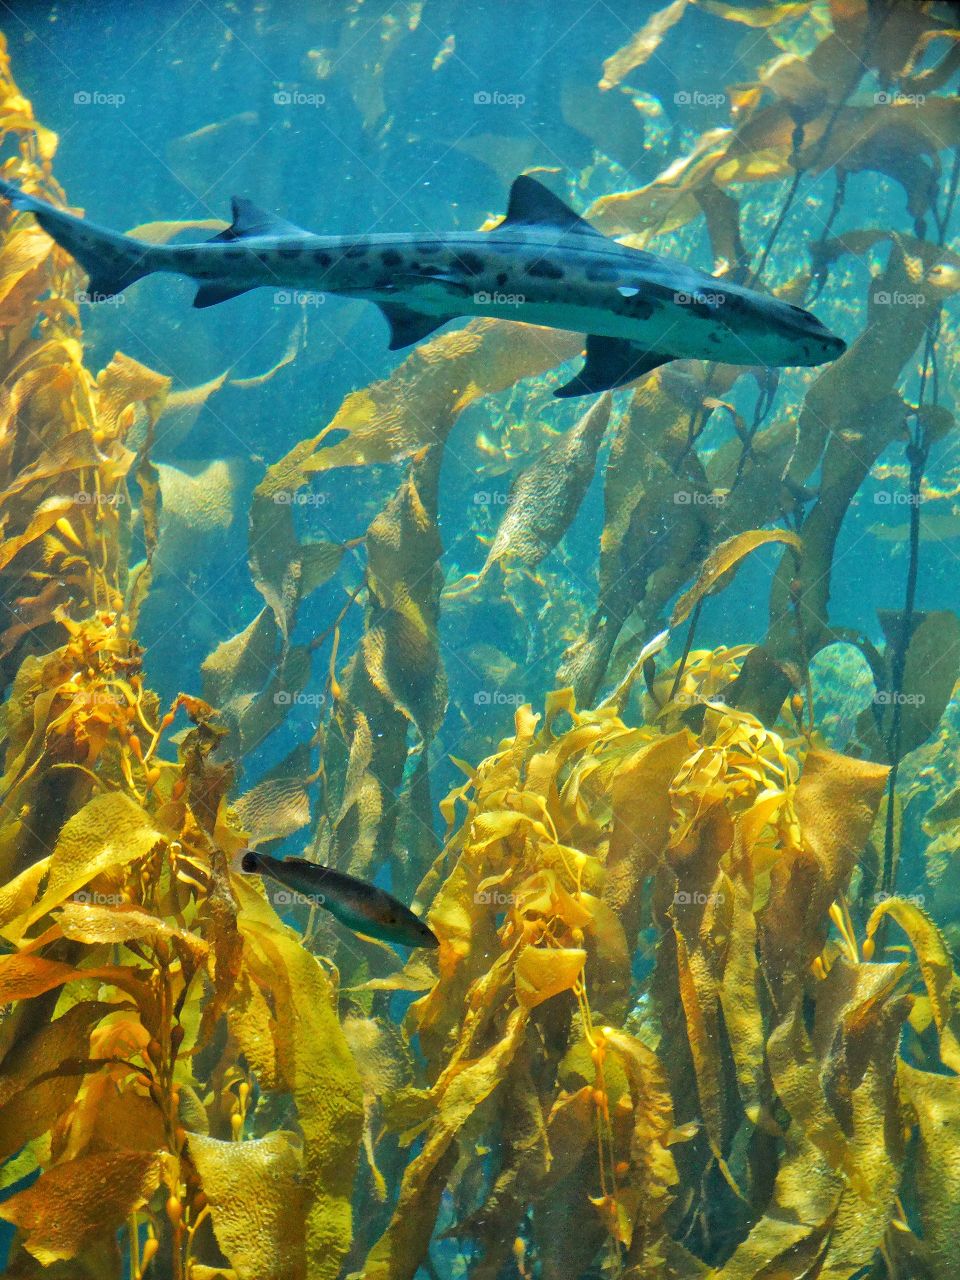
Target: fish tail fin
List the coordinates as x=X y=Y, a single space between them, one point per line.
x=111 y=260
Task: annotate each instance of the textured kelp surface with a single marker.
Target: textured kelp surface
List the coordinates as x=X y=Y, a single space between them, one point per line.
x=680 y=1022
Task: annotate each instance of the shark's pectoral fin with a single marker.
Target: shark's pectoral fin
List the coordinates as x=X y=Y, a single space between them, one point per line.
x=208 y=295
x=611 y=362
x=408 y=325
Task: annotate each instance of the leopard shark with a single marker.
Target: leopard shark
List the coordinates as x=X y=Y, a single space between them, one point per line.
x=543 y=264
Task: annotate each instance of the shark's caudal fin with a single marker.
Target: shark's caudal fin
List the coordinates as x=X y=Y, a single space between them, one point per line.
x=112 y=261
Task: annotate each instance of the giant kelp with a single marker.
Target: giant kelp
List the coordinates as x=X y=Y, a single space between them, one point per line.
x=679 y=1022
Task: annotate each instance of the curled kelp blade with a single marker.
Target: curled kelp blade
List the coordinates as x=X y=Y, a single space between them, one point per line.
x=359 y=905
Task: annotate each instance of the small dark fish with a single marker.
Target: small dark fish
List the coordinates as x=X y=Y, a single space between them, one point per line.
x=360 y=906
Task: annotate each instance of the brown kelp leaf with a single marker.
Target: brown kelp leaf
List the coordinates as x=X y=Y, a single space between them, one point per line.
x=721 y=561
x=740 y=989
x=642 y=815
x=400 y=650
x=545 y=498
x=17 y=894
x=91 y=922
x=284 y=569
x=110 y=831
x=857 y=1026
x=790 y=1237
x=47 y=513
x=643 y=45
x=763 y=15
x=653 y=1174
x=836 y=803
x=253 y=1026
x=935 y=1100
x=669 y=201
x=73 y=452
x=253 y=680
x=75 y=1204
x=543 y=972
x=256 y=1203
x=20 y=254
x=123 y=383
x=644 y=488
x=23 y=976
x=239 y=667
x=273 y=809
x=418 y=403
x=698 y=995
x=181 y=409
x=293 y=348
x=936 y=968
x=164 y=231
x=929 y=674
x=396 y=1255
x=795 y=1070
x=31 y=1105
x=315 y=1062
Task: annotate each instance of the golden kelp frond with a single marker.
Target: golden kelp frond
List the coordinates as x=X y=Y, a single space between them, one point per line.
x=416 y=406
x=546 y=496
x=395 y=680
x=643 y=45
x=734 y=854
x=721 y=562
x=142 y=901
x=64 y=464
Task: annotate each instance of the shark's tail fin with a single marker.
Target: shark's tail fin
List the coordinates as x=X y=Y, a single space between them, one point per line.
x=112 y=261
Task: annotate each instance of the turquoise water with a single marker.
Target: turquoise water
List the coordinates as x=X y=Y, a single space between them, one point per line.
x=417 y=117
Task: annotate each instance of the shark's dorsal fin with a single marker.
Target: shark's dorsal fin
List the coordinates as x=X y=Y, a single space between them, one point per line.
x=531 y=204
x=250 y=220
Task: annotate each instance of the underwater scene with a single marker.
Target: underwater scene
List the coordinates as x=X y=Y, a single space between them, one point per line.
x=480 y=640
